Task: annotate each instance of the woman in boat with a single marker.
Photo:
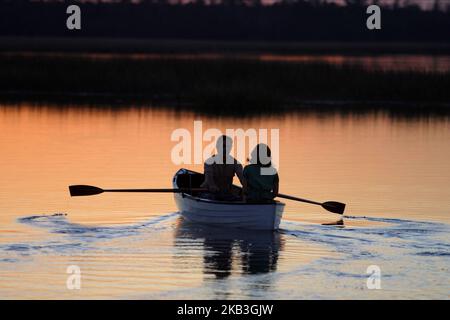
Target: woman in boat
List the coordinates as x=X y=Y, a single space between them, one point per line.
x=262 y=181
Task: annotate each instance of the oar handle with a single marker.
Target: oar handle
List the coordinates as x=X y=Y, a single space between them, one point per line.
x=85 y=190
x=285 y=196
x=179 y=190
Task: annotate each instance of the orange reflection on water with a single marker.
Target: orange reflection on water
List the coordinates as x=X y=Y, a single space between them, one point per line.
x=378 y=165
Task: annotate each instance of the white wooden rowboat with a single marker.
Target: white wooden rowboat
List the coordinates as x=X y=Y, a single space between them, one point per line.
x=234 y=214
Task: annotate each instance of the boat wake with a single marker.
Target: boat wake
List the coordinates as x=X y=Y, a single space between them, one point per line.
x=58 y=223
x=72 y=237
x=410 y=254
x=302 y=261
x=414 y=237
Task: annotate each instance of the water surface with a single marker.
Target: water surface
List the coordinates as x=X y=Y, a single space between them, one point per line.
x=393 y=173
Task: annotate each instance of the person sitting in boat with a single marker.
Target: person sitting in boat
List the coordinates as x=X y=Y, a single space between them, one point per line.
x=220 y=170
x=262 y=181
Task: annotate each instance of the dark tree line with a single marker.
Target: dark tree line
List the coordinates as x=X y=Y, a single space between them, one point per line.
x=433 y=4
x=231 y=20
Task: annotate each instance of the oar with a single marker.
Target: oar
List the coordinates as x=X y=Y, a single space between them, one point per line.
x=84 y=190
x=332 y=206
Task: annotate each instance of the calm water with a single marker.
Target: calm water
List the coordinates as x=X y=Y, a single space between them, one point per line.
x=393 y=173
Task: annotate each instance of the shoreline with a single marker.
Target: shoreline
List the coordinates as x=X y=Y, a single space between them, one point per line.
x=112 y=101
x=220 y=87
x=161 y=46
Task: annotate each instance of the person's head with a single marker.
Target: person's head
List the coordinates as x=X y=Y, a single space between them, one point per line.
x=224 y=144
x=261 y=155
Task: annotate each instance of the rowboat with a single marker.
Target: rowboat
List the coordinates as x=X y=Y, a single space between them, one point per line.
x=234 y=214
x=194 y=205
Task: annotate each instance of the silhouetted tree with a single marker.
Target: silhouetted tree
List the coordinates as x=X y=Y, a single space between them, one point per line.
x=358 y=3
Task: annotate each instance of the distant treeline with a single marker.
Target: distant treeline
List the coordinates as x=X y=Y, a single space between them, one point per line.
x=229 y=20
x=226 y=86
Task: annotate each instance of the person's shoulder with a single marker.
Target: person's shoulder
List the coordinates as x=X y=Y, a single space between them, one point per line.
x=250 y=167
x=274 y=170
x=232 y=160
x=211 y=160
x=270 y=171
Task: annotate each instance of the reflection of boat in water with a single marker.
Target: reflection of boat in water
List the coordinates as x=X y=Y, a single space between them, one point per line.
x=235 y=214
x=225 y=249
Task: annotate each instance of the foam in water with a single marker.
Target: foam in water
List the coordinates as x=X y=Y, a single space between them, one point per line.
x=413 y=256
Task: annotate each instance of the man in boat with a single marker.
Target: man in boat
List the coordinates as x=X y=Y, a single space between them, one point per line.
x=262 y=181
x=220 y=170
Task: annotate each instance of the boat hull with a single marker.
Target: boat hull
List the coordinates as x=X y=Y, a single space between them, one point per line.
x=243 y=215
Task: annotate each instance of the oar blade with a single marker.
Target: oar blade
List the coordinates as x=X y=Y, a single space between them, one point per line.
x=334 y=206
x=84 y=190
